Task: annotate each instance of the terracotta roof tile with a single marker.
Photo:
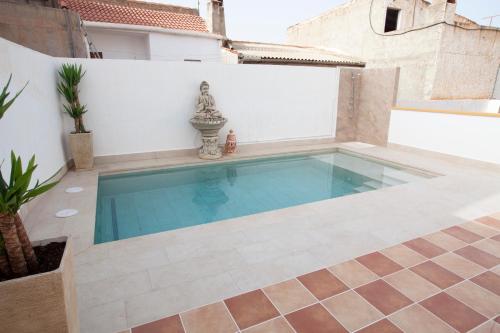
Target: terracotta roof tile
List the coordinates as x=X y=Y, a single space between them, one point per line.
x=115 y=13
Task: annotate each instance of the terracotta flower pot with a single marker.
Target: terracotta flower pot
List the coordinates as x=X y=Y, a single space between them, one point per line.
x=44 y=302
x=82 y=150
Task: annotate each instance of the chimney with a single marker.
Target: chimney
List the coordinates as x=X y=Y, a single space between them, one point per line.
x=215 y=17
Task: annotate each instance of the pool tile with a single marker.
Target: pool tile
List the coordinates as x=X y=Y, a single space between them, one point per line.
x=379 y=264
x=490 y=246
x=459 y=265
x=489 y=221
x=403 y=255
x=479 y=299
x=478 y=256
x=454 y=312
x=424 y=247
x=445 y=241
x=462 y=234
x=353 y=274
x=251 y=308
x=289 y=296
x=383 y=326
x=314 y=319
x=436 y=274
x=352 y=310
x=488 y=280
x=418 y=320
x=413 y=286
x=278 y=325
x=322 y=284
x=480 y=229
x=166 y=325
x=383 y=296
x=209 y=318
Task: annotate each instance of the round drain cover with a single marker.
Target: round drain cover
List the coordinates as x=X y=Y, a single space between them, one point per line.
x=66 y=213
x=74 y=189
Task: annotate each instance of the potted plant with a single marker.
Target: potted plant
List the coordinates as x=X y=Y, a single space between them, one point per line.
x=80 y=141
x=37 y=290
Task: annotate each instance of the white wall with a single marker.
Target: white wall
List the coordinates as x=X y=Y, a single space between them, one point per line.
x=145 y=106
x=469 y=105
x=120 y=45
x=474 y=137
x=33 y=125
x=172 y=47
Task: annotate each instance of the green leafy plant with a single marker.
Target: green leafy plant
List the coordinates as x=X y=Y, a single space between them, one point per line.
x=17 y=257
x=4 y=104
x=70 y=76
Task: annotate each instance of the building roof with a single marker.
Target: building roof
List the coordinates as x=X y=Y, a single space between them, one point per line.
x=254 y=52
x=137 y=13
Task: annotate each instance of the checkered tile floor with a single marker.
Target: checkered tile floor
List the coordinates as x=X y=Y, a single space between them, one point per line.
x=448 y=281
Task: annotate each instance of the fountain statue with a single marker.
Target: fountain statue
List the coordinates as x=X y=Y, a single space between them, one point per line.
x=208 y=120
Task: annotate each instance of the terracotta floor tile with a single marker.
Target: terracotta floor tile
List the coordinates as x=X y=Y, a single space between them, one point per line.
x=489 y=221
x=166 y=325
x=480 y=229
x=459 y=265
x=384 y=297
x=251 y=308
x=424 y=247
x=322 y=284
x=403 y=255
x=353 y=274
x=488 y=280
x=416 y=319
x=209 y=318
x=497 y=238
x=436 y=274
x=289 y=296
x=278 y=325
x=490 y=246
x=478 y=256
x=479 y=299
x=352 y=310
x=445 y=241
x=454 y=312
x=379 y=264
x=314 y=319
x=411 y=285
x=462 y=234
x=488 y=327
x=383 y=326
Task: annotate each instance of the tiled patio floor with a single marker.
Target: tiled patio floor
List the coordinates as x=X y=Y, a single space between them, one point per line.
x=447 y=281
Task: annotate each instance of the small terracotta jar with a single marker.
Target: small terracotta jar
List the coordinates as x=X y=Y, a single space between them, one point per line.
x=230 y=143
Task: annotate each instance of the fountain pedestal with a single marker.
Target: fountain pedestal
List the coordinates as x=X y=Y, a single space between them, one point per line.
x=209 y=128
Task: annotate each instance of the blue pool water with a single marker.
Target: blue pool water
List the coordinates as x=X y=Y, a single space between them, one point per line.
x=135 y=204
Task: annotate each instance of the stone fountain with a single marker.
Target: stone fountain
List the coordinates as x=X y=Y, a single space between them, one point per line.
x=208 y=120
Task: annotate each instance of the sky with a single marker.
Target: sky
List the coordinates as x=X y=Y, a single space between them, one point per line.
x=267 y=20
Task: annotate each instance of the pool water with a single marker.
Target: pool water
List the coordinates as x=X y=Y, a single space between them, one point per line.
x=135 y=204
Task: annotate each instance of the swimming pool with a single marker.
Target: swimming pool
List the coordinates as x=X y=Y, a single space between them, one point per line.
x=135 y=204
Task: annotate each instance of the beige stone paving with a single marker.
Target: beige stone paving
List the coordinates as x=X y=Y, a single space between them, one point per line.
x=129 y=282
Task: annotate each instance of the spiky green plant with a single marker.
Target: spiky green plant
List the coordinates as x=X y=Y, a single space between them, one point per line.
x=4 y=104
x=70 y=76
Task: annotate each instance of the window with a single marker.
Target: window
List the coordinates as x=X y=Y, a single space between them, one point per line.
x=96 y=55
x=391 y=19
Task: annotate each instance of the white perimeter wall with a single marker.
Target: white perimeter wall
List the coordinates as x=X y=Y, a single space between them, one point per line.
x=144 y=106
x=33 y=125
x=474 y=137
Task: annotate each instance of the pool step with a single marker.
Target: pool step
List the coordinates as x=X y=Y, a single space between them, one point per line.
x=363 y=188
